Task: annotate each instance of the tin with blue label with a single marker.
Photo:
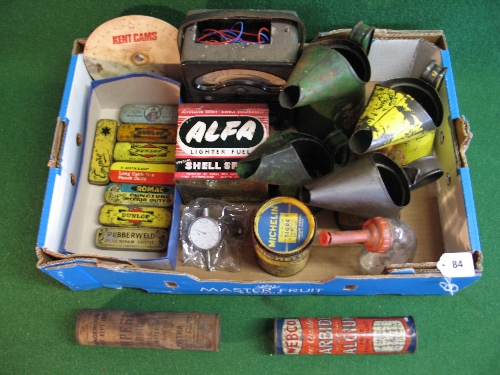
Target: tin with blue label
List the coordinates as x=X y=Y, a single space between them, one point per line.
x=284 y=229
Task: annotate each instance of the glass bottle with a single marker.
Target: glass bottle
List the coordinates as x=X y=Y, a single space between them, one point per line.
x=385 y=241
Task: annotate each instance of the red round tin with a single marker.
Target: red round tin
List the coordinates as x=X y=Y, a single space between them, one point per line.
x=317 y=336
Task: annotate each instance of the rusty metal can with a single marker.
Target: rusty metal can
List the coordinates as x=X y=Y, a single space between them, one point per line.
x=140 y=329
x=334 y=336
x=284 y=228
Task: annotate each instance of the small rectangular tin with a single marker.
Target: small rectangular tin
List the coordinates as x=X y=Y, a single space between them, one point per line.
x=142 y=173
x=144 y=152
x=102 y=151
x=139 y=195
x=148 y=114
x=137 y=239
x=135 y=216
x=155 y=133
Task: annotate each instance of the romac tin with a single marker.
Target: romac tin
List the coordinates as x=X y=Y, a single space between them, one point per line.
x=337 y=336
x=284 y=228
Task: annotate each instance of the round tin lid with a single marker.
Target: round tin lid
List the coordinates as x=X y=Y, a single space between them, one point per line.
x=284 y=225
x=131 y=44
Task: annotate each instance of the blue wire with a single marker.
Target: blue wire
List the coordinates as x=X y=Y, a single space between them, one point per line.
x=238 y=38
x=231 y=36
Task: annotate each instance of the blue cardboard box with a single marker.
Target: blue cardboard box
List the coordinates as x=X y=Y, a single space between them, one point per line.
x=442 y=214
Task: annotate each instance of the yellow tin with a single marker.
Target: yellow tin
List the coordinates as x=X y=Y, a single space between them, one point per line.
x=155 y=133
x=144 y=152
x=102 y=152
x=284 y=228
x=135 y=216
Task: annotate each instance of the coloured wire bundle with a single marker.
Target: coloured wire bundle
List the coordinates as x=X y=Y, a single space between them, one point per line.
x=234 y=35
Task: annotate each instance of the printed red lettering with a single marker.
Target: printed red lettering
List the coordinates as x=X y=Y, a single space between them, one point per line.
x=120 y=39
x=145 y=37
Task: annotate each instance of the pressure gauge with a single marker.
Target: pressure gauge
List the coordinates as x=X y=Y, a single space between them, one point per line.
x=204 y=233
x=240 y=72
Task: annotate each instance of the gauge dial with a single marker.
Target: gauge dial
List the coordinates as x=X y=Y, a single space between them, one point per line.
x=204 y=233
x=228 y=77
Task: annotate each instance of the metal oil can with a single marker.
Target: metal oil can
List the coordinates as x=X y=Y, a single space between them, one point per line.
x=284 y=228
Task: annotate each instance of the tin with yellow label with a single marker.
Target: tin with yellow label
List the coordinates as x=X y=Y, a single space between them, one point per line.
x=102 y=152
x=144 y=152
x=157 y=133
x=284 y=228
x=135 y=216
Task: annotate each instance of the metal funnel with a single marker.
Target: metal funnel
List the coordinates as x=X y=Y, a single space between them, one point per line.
x=287 y=159
x=371 y=186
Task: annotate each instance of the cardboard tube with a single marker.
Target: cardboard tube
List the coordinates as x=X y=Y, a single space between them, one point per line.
x=139 y=329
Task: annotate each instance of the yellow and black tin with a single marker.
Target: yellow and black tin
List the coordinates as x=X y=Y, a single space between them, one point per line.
x=284 y=228
x=135 y=216
x=144 y=152
x=102 y=152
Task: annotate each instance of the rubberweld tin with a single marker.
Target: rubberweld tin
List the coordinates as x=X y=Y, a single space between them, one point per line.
x=284 y=228
x=317 y=336
x=142 y=329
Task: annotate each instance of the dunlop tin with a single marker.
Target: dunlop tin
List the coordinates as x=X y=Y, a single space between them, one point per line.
x=143 y=329
x=142 y=173
x=155 y=133
x=334 y=336
x=137 y=239
x=102 y=152
x=135 y=216
x=144 y=152
x=148 y=114
x=139 y=195
x=284 y=228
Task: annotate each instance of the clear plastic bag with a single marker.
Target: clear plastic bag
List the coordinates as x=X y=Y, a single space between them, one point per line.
x=233 y=221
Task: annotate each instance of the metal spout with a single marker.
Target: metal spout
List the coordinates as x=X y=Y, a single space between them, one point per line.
x=288 y=159
x=434 y=74
x=362 y=34
x=371 y=186
x=398 y=110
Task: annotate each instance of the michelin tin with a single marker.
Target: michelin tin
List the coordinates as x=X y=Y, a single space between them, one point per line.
x=284 y=228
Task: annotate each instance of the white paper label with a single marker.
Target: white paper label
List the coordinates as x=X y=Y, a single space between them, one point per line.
x=456 y=265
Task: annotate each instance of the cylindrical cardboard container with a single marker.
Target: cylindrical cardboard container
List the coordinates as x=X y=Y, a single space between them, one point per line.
x=284 y=228
x=140 y=329
x=335 y=336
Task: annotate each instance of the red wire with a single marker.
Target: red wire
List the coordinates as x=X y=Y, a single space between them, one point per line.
x=223 y=34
